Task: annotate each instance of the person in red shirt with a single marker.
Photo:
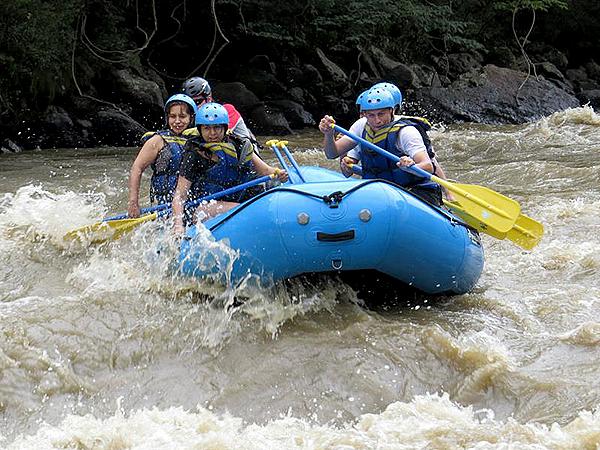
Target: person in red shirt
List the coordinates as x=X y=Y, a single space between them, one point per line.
x=199 y=89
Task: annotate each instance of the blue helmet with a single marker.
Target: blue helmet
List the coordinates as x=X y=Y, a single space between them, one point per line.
x=392 y=89
x=212 y=114
x=376 y=98
x=182 y=98
x=359 y=98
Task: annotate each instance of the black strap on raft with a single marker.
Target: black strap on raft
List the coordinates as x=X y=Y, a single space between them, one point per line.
x=334 y=199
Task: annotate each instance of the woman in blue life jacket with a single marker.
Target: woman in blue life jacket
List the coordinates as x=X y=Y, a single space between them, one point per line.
x=162 y=151
x=404 y=137
x=213 y=161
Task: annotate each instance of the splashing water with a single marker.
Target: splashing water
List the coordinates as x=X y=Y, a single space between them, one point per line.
x=196 y=363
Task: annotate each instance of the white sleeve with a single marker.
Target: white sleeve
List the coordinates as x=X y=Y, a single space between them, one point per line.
x=410 y=141
x=241 y=130
x=354 y=153
x=359 y=126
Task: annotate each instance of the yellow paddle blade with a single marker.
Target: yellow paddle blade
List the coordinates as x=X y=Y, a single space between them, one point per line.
x=458 y=210
x=105 y=231
x=481 y=207
x=526 y=233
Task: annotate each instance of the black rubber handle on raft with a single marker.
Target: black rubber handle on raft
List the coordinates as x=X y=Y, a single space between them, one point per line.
x=335 y=237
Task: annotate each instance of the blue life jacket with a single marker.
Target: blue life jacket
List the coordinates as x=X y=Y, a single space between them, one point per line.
x=375 y=165
x=165 y=169
x=228 y=171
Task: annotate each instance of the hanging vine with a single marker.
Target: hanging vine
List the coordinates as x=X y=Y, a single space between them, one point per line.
x=521 y=44
x=98 y=52
x=212 y=54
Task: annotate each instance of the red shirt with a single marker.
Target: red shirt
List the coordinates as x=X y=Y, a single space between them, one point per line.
x=234 y=115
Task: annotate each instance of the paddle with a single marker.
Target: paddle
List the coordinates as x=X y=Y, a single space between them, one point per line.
x=357 y=169
x=273 y=143
x=113 y=229
x=283 y=145
x=526 y=232
x=489 y=209
x=142 y=212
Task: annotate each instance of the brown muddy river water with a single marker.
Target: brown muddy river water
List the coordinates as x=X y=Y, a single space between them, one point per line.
x=103 y=347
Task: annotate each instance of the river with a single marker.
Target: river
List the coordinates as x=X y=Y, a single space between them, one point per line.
x=102 y=347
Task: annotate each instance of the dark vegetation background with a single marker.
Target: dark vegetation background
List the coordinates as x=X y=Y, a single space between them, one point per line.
x=86 y=72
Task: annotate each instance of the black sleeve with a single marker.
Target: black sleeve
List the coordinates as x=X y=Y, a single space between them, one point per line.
x=193 y=165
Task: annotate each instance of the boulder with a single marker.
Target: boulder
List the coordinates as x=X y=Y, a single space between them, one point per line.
x=266 y=120
x=115 y=128
x=581 y=78
x=310 y=103
x=263 y=84
x=152 y=75
x=549 y=71
x=589 y=85
x=592 y=97
x=85 y=131
x=382 y=60
x=502 y=56
x=403 y=77
x=370 y=62
x=289 y=59
x=293 y=75
x=336 y=106
x=56 y=129
x=311 y=77
x=9 y=146
x=426 y=75
x=297 y=94
x=294 y=113
x=556 y=57
x=456 y=64
x=334 y=72
x=235 y=93
x=539 y=51
x=262 y=62
x=143 y=96
x=495 y=96
x=577 y=76
x=593 y=70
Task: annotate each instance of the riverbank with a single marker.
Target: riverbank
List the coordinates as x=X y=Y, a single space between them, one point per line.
x=482 y=93
x=101 y=85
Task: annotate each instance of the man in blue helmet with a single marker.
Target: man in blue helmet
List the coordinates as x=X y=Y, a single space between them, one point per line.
x=405 y=137
x=422 y=125
x=214 y=162
x=162 y=151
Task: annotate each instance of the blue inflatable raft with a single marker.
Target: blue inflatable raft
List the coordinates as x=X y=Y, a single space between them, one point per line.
x=327 y=223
